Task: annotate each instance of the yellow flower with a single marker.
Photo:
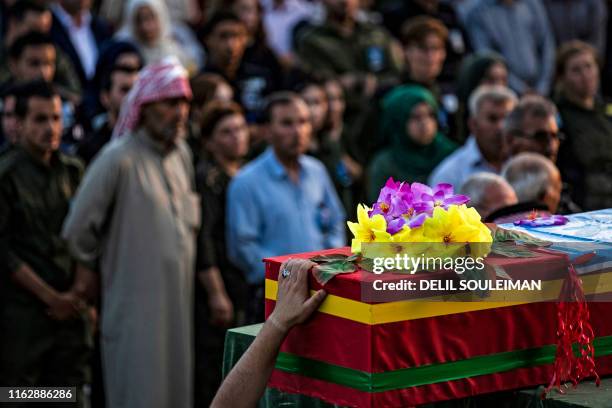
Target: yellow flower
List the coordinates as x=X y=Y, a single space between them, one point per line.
x=457 y=224
x=455 y=227
x=408 y=235
x=368 y=229
x=410 y=242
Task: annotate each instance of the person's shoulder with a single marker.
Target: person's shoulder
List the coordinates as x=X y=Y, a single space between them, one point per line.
x=316 y=33
x=313 y=164
x=71 y=162
x=449 y=169
x=208 y=175
x=250 y=172
x=370 y=28
x=450 y=162
x=118 y=153
x=9 y=162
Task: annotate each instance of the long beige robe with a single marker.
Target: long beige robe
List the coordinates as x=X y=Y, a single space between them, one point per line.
x=136 y=214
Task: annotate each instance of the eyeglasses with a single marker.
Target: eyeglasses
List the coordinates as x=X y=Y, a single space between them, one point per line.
x=541 y=136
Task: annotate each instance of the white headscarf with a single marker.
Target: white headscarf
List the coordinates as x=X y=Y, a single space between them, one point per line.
x=165 y=46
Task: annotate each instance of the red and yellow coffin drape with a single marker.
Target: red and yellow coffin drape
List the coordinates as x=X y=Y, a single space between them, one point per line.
x=405 y=353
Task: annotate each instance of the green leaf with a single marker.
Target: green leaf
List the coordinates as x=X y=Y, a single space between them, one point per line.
x=366 y=264
x=511 y=250
x=324 y=272
x=329 y=258
x=502 y=234
x=354 y=257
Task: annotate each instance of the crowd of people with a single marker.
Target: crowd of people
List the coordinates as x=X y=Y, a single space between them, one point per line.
x=153 y=152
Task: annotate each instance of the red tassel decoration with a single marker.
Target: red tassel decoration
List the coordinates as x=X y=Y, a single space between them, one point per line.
x=573 y=327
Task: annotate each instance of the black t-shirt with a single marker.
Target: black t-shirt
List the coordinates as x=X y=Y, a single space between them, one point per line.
x=258 y=76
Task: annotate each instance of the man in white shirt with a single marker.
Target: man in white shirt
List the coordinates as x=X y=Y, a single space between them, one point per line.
x=79 y=34
x=483 y=150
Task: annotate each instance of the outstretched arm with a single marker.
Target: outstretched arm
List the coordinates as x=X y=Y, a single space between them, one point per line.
x=293 y=306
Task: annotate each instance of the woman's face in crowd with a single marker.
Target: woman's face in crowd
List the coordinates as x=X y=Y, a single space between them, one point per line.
x=335 y=100
x=148 y=28
x=248 y=12
x=581 y=75
x=421 y=125
x=497 y=74
x=316 y=99
x=230 y=137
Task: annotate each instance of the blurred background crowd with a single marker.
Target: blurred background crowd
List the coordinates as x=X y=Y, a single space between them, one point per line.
x=504 y=99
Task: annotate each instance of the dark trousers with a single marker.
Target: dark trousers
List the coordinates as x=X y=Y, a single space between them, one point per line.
x=37 y=351
x=209 y=346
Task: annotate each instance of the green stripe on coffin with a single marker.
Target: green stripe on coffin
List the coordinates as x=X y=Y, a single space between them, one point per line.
x=430 y=374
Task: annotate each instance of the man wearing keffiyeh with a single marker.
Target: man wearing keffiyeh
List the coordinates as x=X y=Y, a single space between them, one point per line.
x=134 y=221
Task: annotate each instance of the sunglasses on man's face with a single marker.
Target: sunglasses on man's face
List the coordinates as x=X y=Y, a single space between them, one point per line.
x=541 y=136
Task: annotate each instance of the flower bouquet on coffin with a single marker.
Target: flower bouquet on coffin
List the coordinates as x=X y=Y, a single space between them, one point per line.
x=415 y=219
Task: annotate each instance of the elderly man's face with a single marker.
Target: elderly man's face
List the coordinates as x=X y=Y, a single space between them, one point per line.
x=487 y=126
x=166 y=120
x=538 y=135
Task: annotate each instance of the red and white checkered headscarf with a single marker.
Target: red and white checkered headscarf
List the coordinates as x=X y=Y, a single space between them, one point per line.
x=158 y=81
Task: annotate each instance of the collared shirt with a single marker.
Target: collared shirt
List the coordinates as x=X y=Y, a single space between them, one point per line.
x=34 y=200
x=82 y=38
x=268 y=214
x=460 y=165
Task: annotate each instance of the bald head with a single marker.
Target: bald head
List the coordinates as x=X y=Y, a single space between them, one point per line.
x=488 y=192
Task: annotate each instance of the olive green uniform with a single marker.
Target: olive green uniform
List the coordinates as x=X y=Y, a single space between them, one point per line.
x=36 y=350
x=324 y=50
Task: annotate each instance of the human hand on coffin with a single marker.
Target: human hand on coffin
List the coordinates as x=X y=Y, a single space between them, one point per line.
x=293 y=302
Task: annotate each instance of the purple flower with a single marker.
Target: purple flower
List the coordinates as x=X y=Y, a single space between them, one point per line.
x=425 y=199
x=395 y=225
x=410 y=219
x=402 y=204
x=394 y=200
x=547 y=221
